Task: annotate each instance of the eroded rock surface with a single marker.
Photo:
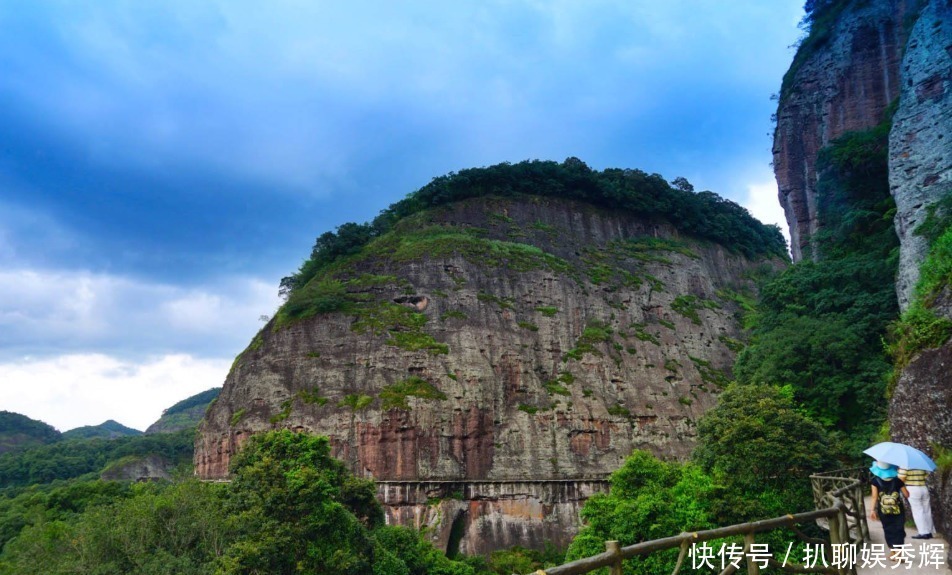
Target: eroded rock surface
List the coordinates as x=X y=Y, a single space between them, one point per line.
x=920 y=143
x=843 y=85
x=547 y=342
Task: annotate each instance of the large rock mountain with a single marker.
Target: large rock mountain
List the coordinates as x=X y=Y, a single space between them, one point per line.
x=490 y=361
x=844 y=76
x=921 y=177
x=868 y=56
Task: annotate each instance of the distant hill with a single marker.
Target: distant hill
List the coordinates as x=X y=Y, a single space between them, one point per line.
x=19 y=431
x=107 y=430
x=185 y=414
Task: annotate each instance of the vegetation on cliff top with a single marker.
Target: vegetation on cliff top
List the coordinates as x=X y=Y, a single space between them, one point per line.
x=818 y=20
x=703 y=214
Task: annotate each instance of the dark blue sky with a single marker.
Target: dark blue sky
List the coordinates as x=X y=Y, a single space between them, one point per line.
x=164 y=163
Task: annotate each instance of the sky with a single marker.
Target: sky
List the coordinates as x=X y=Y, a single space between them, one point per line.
x=164 y=163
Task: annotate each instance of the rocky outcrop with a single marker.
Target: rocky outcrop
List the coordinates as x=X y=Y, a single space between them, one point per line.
x=144 y=468
x=474 y=517
x=921 y=174
x=920 y=143
x=508 y=341
x=843 y=84
x=919 y=416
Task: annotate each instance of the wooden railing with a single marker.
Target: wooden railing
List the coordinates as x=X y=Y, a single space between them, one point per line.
x=825 y=484
x=842 y=503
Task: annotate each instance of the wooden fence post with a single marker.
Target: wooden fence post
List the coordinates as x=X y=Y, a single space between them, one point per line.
x=835 y=532
x=614 y=548
x=859 y=493
x=752 y=567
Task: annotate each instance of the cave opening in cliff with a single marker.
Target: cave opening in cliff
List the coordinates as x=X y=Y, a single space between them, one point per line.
x=457 y=531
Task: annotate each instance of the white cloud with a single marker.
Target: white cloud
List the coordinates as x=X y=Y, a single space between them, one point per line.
x=56 y=312
x=763 y=204
x=86 y=389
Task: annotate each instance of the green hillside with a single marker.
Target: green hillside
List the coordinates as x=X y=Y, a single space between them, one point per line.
x=186 y=414
x=107 y=430
x=19 y=431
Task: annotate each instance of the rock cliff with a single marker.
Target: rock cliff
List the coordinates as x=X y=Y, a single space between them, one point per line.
x=844 y=82
x=921 y=175
x=490 y=361
x=843 y=78
x=920 y=150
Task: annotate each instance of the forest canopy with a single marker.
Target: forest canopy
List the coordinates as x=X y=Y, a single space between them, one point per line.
x=702 y=214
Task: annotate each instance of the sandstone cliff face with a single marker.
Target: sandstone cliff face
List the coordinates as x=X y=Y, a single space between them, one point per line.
x=920 y=143
x=484 y=368
x=844 y=85
x=920 y=174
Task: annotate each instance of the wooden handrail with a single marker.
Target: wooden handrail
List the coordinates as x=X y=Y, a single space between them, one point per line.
x=836 y=514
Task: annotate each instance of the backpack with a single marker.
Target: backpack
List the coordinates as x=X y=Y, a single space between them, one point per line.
x=889 y=503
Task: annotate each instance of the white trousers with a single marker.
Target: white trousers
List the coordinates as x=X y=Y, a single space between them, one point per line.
x=921 y=510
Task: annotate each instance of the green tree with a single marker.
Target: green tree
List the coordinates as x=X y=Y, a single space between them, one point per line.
x=762 y=450
x=296 y=505
x=649 y=499
x=170 y=529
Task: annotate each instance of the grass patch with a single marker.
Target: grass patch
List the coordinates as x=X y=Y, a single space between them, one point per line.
x=436 y=242
x=312 y=397
x=920 y=328
x=503 y=303
x=237 y=416
x=453 y=314
x=641 y=334
x=356 y=402
x=618 y=410
x=688 y=306
x=395 y=396
x=732 y=344
x=284 y=413
x=709 y=373
x=529 y=326
x=557 y=386
x=417 y=341
x=547 y=310
x=643 y=248
x=594 y=333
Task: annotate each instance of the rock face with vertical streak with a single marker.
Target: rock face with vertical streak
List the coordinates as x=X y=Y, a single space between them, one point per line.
x=494 y=345
x=920 y=175
x=920 y=143
x=842 y=84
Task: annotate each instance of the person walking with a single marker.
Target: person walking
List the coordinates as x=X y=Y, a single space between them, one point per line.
x=888 y=509
x=915 y=481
